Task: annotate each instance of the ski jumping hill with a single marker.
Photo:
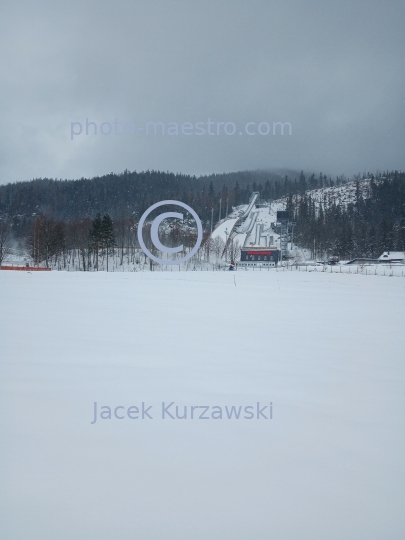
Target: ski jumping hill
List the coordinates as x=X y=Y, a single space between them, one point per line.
x=251 y=225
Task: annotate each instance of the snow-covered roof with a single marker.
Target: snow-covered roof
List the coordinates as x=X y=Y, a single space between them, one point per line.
x=392 y=256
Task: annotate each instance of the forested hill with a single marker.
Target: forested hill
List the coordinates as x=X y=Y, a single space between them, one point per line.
x=358 y=219
x=128 y=194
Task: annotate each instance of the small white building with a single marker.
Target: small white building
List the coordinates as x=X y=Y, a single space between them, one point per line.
x=390 y=257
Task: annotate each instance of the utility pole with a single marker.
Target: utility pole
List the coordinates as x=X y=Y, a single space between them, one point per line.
x=220 y=205
x=226 y=215
x=212 y=217
x=314 y=249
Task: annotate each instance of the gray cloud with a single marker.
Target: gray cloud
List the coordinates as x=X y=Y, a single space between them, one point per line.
x=334 y=70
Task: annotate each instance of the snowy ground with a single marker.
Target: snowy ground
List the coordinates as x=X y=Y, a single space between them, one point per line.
x=326 y=349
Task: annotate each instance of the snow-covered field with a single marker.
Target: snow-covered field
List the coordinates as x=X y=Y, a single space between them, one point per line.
x=326 y=349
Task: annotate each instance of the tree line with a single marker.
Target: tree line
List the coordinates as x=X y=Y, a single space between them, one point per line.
x=364 y=228
x=129 y=194
x=123 y=194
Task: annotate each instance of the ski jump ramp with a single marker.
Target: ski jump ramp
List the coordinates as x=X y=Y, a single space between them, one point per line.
x=226 y=227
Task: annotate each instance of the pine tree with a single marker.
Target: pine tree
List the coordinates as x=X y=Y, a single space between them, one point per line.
x=211 y=190
x=237 y=194
x=96 y=235
x=400 y=241
x=107 y=234
x=371 y=247
x=302 y=182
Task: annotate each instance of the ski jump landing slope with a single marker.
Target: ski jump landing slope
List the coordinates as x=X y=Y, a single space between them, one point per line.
x=226 y=227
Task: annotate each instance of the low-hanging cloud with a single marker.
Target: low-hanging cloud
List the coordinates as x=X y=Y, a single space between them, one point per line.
x=333 y=71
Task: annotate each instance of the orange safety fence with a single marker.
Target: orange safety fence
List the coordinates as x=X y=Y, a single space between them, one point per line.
x=29 y=268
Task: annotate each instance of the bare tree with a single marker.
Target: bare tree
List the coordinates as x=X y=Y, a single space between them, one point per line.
x=79 y=238
x=121 y=231
x=46 y=239
x=207 y=247
x=34 y=242
x=218 y=246
x=233 y=251
x=5 y=240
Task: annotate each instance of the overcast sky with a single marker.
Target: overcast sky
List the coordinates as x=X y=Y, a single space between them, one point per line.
x=334 y=70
